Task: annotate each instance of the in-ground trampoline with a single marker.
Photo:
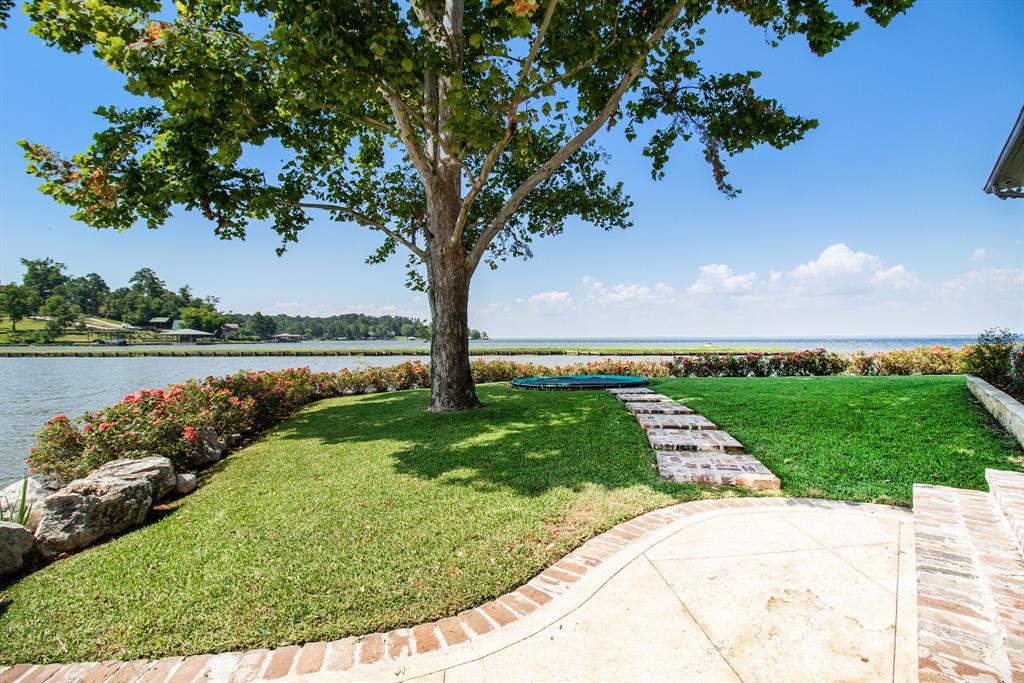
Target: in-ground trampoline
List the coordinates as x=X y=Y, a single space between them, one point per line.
x=577 y=382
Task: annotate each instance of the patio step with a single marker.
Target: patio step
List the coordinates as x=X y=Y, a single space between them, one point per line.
x=693 y=440
x=657 y=408
x=691 y=449
x=675 y=422
x=970 y=587
x=630 y=390
x=1007 y=490
x=715 y=468
x=649 y=397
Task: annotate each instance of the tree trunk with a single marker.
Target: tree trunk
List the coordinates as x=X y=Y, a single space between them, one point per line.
x=448 y=275
x=451 y=384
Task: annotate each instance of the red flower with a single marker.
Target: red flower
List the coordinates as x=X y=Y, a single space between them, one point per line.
x=190 y=434
x=104 y=425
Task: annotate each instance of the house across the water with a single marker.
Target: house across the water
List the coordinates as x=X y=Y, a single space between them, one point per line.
x=286 y=337
x=186 y=336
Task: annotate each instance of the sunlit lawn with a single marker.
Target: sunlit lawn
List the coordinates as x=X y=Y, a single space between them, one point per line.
x=368 y=513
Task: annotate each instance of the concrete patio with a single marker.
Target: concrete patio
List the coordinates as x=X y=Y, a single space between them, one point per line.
x=766 y=593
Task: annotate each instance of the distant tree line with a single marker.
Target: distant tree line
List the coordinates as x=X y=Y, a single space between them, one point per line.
x=48 y=291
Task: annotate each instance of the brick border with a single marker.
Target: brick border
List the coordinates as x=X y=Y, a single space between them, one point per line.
x=556 y=591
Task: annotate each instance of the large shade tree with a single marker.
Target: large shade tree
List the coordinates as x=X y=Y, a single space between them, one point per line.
x=459 y=130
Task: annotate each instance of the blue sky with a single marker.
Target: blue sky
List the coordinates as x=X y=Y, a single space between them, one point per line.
x=875 y=224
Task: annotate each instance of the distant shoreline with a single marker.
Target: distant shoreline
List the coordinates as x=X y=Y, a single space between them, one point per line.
x=199 y=351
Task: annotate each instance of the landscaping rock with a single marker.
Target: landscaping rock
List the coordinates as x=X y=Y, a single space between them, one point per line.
x=156 y=469
x=212 y=446
x=233 y=440
x=185 y=483
x=15 y=544
x=38 y=489
x=89 y=509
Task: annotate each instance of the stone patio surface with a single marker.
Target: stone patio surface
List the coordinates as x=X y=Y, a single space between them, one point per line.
x=779 y=593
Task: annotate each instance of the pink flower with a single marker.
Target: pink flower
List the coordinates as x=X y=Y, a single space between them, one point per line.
x=190 y=434
x=105 y=425
x=87 y=428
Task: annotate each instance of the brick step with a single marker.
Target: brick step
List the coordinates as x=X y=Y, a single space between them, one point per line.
x=692 y=440
x=658 y=408
x=642 y=398
x=1007 y=491
x=630 y=390
x=715 y=468
x=970 y=588
x=675 y=422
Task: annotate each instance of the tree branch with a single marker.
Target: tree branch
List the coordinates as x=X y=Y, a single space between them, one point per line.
x=573 y=146
x=394 y=99
x=362 y=219
x=510 y=128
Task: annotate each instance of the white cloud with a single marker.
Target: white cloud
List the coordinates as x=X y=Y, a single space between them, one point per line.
x=627 y=293
x=896 y=277
x=979 y=254
x=992 y=280
x=554 y=299
x=839 y=269
x=718 y=278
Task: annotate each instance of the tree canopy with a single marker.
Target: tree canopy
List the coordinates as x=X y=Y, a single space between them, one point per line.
x=367 y=99
x=461 y=130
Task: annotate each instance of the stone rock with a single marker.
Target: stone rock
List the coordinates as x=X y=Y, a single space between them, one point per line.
x=211 y=446
x=15 y=544
x=156 y=469
x=36 y=492
x=89 y=509
x=185 y=483
x=233 y=440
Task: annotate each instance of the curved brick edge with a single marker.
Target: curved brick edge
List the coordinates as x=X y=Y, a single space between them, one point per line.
x=556 y=591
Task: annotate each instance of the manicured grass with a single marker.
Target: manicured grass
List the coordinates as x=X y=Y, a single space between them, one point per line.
x=367 y=513
x=857 y=438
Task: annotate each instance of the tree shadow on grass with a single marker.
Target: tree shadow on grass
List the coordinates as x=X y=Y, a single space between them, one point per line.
x=528 y=442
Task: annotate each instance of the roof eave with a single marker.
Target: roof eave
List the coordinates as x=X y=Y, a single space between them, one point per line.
x=1013 y=151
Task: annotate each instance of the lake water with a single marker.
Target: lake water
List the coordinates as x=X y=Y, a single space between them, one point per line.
x=33 y=390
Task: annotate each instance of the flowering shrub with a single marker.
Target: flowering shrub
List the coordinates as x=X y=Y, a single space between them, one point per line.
x=801 y=363
x=921 y=360
x=276 y=394
x=1017 y=368
x=165 y=422
x=990 y=357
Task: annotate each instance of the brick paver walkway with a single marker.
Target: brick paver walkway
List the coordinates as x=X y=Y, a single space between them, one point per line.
x=689 y=448
x=970 y=582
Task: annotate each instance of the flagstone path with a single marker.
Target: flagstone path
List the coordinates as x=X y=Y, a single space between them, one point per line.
x=689 y=448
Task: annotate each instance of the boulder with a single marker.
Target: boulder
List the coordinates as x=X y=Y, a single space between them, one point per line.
x=37 y=490
x=156 y=469
x=15 y=544
x=185 y=483
x=211 y=446
x=89 y=509
x=233 y=440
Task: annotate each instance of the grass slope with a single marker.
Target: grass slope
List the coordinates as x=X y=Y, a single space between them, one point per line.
x=367 y=513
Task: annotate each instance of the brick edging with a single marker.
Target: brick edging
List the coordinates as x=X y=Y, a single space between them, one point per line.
x=549 y=589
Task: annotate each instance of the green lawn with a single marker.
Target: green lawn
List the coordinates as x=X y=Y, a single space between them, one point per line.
x=368 y=513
